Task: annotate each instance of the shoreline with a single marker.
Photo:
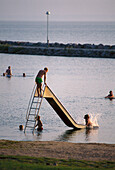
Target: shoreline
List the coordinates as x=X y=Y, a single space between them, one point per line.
x=58 y=49
x=59 y=150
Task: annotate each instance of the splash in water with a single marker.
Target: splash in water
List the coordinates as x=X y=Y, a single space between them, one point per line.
x=93 y=118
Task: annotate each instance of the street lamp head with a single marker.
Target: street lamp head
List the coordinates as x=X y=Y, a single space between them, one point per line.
x=47 y=13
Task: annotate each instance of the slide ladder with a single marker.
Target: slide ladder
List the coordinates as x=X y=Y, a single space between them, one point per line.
x=33 y=109
x=35 y=104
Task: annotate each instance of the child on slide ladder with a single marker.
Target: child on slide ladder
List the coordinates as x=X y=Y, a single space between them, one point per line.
x=39 y=124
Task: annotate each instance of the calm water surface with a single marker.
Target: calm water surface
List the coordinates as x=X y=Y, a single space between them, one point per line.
x=79 y=83
x=62 y=32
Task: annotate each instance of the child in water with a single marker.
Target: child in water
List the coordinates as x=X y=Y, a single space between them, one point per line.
x=110 y=95
x=9 y=71
x=88 y=121
x=39 y=124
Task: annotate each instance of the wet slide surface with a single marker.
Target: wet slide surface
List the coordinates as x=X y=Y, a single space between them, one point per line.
x=60 y=109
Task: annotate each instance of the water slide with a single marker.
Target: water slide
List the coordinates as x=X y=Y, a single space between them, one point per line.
x=60 y=110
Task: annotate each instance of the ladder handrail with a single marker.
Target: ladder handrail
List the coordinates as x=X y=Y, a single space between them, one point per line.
x=38 y=105
x=31 y=97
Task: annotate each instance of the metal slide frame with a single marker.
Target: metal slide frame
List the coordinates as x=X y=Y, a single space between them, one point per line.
x=33 y=109
x=35 y=104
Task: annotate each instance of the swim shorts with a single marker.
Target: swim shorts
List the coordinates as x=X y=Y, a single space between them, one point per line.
x=38 y=80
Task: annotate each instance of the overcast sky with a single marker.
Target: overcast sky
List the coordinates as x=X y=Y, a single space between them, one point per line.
x=61 y=10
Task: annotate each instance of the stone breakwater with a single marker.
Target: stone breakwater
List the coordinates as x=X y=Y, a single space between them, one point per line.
x=58 y=49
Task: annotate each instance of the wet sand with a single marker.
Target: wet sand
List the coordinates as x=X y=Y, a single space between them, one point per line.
x=59 y=150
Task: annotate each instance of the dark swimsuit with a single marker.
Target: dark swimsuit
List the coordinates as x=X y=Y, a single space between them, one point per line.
x=38 y=80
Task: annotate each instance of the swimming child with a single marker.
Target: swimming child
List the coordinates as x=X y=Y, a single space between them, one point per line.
x=88 y=121
x=9 y=71
x=110 y=95
x=39 y=124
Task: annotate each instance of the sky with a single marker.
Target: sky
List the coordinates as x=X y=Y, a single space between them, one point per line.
x=61 y=10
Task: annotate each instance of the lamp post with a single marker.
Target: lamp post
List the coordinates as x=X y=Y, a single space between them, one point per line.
x=47 y=13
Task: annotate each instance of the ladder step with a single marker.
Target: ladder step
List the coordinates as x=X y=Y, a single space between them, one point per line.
x=32 y=114
x=33 y=108
x=31 y=120
x=30 y=126
x=38 y=97
x=37 y=102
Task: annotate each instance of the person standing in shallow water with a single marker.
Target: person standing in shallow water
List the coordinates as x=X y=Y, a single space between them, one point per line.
x=87 y=120
x=39 y=124
x=9 y=71
x=39 y=80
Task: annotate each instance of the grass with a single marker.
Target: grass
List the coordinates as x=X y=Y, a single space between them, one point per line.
x=15 y=50
x=4 y=47
x=33 y=163
x=8 y=144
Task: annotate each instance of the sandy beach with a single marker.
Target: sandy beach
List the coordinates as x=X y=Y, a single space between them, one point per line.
x=59 y=150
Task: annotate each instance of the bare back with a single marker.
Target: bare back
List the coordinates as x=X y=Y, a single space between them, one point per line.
x=9 y=72
x=41 y=73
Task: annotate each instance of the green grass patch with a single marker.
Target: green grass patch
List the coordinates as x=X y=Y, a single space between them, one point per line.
x=4 y=47
x=18 y=50
x=25 y=162
x=7 y=144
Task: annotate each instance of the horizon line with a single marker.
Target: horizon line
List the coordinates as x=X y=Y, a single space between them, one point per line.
x=57 y=21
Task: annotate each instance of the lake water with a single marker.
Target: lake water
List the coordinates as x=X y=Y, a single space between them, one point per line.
x=79 y=83
x=62 y=32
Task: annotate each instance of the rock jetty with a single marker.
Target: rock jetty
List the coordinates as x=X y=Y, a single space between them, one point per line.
x=58 y=49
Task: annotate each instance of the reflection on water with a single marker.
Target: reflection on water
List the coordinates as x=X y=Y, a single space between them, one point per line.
x=91 y=133
x=79 y=83
x=39 y=135
x=70 y=135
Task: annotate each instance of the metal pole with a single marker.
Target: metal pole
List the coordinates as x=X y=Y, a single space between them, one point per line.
x=47 y=13
x=47 y=32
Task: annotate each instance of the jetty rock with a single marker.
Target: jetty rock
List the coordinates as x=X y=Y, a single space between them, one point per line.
x=58 y=49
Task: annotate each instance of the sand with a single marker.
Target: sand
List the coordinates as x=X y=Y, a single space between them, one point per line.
x=60 y=150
